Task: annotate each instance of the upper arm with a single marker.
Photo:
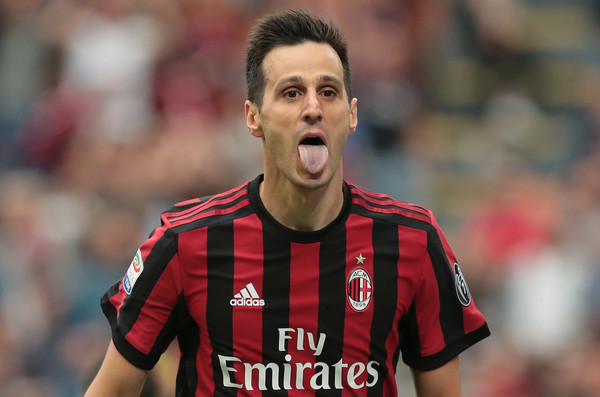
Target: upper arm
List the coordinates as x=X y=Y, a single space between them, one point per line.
x=440 y=382
x=117 y=376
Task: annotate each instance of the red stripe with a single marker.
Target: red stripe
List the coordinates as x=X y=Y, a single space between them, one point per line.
x=427 y=304
x=472 y=317
x=396 y=210
x=119 y=298
x=304 y=314
x=157 y=309
x=365 y=290
x=248 y=268
x=387 y=200
x=220 y=211
x=214 y=201
x=195 y=285
x=185 y=212
x=355 y=289
x=357 y=325
x=411 y=248
x=219 y=199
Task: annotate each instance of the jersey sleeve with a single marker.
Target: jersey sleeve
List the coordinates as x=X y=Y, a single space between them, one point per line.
x=443 y=319
x=145 y=307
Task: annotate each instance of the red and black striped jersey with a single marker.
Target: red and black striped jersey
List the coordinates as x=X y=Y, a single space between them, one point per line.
x=259 y=308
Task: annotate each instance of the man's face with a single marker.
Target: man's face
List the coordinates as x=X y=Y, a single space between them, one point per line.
x=305 y=118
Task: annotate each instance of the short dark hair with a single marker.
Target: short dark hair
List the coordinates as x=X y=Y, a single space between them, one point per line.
x=289 y=28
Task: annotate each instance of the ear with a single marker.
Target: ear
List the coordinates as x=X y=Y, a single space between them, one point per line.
x=253 y=118
x=353 y=115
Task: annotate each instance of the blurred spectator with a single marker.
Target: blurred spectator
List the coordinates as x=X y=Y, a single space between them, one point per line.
x=110 y=49
x=487 y=111
x=26 y=69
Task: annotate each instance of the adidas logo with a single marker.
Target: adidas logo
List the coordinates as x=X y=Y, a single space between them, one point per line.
x=247 y=297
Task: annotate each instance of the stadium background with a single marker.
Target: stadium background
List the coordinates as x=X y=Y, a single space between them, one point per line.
x=486 y=111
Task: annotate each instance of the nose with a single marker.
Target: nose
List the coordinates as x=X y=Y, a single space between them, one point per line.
x=312 y=110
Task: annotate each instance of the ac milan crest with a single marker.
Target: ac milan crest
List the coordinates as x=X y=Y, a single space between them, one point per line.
x=359 y=289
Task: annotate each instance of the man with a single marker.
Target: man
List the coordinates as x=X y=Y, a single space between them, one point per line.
x=295 y=283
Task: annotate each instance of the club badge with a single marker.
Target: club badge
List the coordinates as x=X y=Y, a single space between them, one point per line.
x=359 y=287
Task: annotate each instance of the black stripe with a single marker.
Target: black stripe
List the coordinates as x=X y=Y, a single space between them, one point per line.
x=155 y=264
x=219 y=313
x=332 y=297
x=208 y=208
x=442 y=357
x=177 y=209
x=395 y=204
x=132 y=355
x=385 y=295
x=213 y=220
x=276 y=312
x=170 y=329
x=396 y=357
x=189 y=344
x=410 y=343
x=451 y=314
x=398 y=219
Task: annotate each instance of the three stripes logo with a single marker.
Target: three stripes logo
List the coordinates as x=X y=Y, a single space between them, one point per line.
x=247 y=297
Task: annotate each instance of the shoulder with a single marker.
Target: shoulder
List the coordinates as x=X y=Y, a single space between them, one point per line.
x=208 y=210
x=385 y=207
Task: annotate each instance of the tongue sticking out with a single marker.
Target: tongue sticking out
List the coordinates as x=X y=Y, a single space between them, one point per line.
x=313 y=157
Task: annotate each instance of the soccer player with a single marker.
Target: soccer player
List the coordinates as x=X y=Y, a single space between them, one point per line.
x=297 y=282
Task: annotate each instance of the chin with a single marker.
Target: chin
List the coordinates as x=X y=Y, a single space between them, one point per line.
x=314 y=181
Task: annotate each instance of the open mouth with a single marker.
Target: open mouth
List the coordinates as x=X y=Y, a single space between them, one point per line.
x=313 y=154
x=312 y=140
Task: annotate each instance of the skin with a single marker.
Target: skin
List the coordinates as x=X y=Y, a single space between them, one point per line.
x=304 y=96
x=440 y=382
x=117 y=377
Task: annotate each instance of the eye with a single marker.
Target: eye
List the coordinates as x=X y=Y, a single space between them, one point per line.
x=329 y=93
x=291 y=93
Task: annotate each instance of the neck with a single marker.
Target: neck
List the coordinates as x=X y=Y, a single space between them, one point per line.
x=301 y=208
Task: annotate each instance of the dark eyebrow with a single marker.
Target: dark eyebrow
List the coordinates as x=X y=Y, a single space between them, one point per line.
x=297 y=79
x=330 y=79
x=287 y=80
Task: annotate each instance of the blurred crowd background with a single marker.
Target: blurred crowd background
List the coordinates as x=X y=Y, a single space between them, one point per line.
x=485 y=111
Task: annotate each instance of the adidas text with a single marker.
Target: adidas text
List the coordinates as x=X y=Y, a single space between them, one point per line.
x=247 y=297
x=247 y=302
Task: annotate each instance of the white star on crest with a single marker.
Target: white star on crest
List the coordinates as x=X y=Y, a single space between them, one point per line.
x=360 y=260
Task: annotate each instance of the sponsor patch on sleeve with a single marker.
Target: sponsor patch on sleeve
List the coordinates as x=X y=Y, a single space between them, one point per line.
x=462 y=289
x=135 y=269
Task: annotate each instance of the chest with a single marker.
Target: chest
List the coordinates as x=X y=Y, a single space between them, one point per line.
x=354 y=277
